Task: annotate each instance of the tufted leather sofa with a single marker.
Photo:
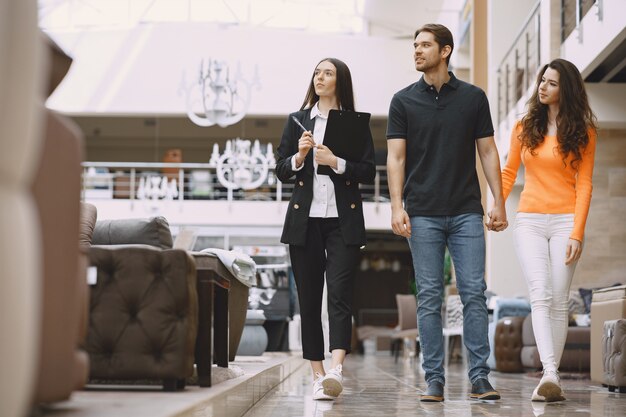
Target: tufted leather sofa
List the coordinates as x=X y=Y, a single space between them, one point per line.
x=504 y=307
x=508 y=344
x=144 y=307
x=614 y=354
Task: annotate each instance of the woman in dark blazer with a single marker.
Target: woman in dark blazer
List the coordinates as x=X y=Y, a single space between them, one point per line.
x=324 y=225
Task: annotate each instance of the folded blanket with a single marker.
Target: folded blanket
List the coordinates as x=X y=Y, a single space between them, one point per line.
x=239 y=264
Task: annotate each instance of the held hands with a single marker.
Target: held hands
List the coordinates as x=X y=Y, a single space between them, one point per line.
x=400 y=223
x=573 y=251
x=497 y=219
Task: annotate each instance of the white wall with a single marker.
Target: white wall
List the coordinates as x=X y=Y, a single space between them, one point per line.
x=140 y=70
x=505 y=22
x=608 y=102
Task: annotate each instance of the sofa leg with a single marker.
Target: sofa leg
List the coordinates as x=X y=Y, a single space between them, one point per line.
x=622 y=390
x=173 y=384
x=611 y=388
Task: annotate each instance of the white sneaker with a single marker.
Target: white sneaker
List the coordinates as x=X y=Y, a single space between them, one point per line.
x=333 y=382
x=550 y=387
x=536 y=396
x=318 y=389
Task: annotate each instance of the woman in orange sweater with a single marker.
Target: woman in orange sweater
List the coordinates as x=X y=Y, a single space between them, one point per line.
x=556 y=142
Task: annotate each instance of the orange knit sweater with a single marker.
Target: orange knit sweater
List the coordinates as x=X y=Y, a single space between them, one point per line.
x=549 y=186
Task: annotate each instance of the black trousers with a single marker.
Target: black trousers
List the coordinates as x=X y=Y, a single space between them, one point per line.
x=324 y=251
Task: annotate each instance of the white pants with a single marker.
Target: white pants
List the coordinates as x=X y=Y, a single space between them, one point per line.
x=540 y=243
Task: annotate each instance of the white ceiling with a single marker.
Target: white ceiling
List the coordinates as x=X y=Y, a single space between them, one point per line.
x=402 y=17
x=140 y=69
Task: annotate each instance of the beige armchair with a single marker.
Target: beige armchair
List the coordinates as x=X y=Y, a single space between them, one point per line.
x=62 y=364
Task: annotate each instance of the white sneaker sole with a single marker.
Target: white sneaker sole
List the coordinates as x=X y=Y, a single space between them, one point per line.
x=332 y=387
x=323 y=397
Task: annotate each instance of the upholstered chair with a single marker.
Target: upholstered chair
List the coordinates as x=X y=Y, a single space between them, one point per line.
x=143 y=310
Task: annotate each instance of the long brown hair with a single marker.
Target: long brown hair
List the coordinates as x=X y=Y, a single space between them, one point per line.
x=575 y=117
x=343 y=87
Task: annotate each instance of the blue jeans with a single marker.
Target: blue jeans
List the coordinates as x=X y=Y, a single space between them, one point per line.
x=464 y=235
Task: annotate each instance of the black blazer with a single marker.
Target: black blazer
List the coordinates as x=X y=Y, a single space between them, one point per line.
x=347 y=193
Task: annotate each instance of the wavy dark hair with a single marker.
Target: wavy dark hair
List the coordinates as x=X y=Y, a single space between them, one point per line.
x=343 y=87
x=574 y=120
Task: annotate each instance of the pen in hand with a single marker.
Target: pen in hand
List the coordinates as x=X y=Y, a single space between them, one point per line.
x=295 y=119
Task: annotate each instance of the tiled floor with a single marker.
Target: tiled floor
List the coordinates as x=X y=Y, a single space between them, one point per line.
x=376 y=386
x=230 y=398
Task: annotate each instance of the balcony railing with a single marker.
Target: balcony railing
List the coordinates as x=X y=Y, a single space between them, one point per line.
x=572 y=13
x=517 y=70
x=189 y=181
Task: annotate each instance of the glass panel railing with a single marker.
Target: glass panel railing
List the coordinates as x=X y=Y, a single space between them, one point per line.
x=186 y=181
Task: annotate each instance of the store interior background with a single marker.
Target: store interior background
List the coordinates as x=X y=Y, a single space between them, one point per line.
x=124 y=91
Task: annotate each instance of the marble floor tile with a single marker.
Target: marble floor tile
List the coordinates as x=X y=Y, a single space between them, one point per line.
x=374 y=385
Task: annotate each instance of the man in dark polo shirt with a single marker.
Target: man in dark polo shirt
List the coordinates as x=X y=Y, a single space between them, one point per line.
x=435 y=127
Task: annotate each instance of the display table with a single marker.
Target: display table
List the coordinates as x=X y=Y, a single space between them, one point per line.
x=213 y=285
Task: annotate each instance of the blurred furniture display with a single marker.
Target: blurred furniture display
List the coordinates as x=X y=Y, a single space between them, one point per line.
x=376 y=328
x=144 y=304
x=62 y=365
x=221 y=298
x=122 y=186
x=254 y=338
x=23 y=72
x=504 y=307
x=388 y=261
x=271 y=294
x=606 y=304
x=576 y=354
x=614 y=355
x=201 y=185
x=172 y=156
x=406 y=333
x=452 y=325
x=508 y=344
x=213 y=285
x=240 y=270
x=97 y=183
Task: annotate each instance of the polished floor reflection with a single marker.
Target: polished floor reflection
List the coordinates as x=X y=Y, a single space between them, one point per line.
x=376 y=386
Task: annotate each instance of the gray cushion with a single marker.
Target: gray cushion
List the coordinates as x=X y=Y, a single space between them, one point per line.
x=154 y=231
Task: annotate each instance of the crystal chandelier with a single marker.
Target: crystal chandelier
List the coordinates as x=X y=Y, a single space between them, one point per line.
x=217 y=96
x=242 y=165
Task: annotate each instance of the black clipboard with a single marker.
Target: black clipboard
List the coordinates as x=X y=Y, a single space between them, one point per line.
x=346 y=135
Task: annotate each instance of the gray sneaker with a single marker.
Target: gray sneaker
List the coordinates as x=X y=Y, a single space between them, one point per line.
x=434 y=393
x=482 y=390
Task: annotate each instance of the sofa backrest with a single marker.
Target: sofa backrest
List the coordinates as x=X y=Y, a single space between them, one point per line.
x=154 y=231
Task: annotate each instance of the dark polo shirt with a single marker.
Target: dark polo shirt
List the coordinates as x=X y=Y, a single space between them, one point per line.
x=440 y=129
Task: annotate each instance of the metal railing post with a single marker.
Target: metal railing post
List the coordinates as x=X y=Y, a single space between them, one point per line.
x=132 y=188
x=181 y=184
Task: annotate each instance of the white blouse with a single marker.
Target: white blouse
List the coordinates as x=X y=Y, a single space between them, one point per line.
x=324 y=203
